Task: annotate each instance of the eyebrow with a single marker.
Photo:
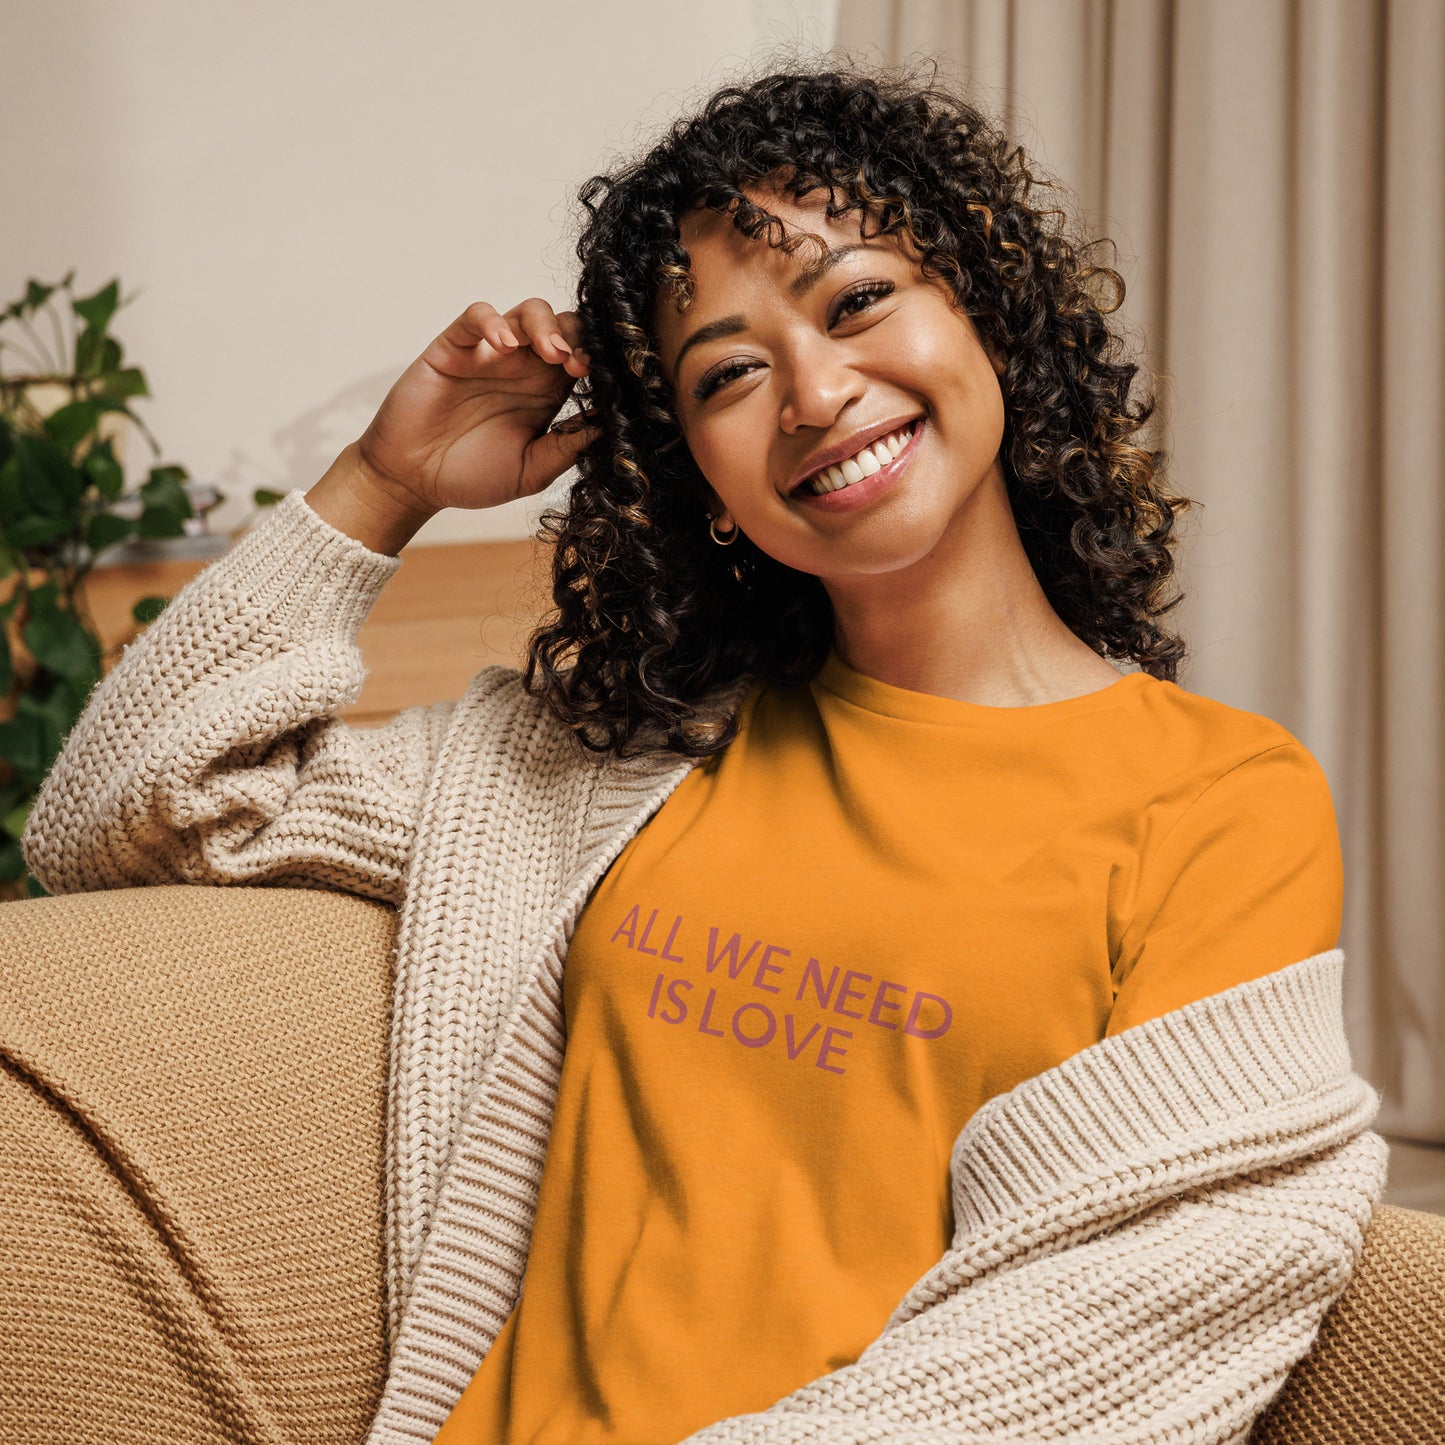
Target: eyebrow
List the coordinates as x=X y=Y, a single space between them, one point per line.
x=731 y=325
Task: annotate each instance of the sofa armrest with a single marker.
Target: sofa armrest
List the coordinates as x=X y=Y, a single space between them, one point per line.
x=1376 y=1371
x=192 y=1114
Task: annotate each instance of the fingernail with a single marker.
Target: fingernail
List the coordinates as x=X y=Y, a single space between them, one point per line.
x=508 y=337
x=559 y=343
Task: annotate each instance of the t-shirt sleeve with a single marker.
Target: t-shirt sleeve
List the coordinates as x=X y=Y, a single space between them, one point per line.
x=1249 y=880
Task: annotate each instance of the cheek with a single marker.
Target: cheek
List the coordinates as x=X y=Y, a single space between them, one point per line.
x=727 y=453
x=961 y=376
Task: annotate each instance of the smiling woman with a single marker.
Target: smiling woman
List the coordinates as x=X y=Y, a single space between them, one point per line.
x=821 y=970
x=808 y=266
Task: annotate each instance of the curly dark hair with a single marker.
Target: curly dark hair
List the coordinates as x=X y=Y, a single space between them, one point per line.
x=650 y=615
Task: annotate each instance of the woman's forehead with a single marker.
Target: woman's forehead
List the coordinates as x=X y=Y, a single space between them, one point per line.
x=704 y=228
x=720 y=256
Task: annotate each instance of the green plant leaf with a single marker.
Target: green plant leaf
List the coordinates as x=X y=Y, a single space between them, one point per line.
x=97 y=310
x=70 y=698
x=166 y=482
x=12 y=862
x=52 y=714
x=128 y=382
x=51 y=484
x=102 y=468
x=35 y=530
x=67 y=426
x=262 y=497
x=7 y=667
x=36 y=295
x=161 y=522
x=105 y=529
x=45 y=597
x=22 y=745
x=13 y=822
x=167 y=507
x=90 y=352
x=148 y=609
x=12 y=493
x=96 y=354
x=59 y=708
x=60 y=642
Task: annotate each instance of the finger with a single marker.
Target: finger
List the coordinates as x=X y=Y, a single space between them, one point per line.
x=481 y=321
x=542 y=329
x=551 y=453
x=480 y=327
x=570 y=325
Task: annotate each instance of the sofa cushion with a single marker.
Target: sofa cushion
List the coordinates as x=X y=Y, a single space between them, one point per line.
x=191 y=1144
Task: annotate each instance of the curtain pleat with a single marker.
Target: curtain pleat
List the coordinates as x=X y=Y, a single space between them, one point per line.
x=1272 y=173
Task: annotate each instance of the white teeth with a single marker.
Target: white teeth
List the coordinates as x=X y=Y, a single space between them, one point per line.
x=871 y=459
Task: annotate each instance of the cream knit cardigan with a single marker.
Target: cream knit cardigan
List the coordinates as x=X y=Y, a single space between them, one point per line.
x=1147 y=1235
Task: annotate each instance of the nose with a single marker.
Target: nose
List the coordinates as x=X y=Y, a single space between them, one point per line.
x=820 y=382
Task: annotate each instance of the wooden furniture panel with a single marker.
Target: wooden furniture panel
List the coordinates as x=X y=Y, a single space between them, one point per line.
x=451 y=609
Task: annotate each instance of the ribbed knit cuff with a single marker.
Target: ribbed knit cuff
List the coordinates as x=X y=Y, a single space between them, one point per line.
x=1254 y=1047
x=302 y=568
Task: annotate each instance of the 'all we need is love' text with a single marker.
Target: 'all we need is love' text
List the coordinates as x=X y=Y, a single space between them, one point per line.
x=803 y=999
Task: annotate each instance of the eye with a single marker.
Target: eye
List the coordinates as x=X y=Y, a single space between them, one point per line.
x=866 y=293
x=851 y=303
x=717 y=376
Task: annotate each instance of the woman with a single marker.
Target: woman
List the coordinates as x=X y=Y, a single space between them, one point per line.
x=865 y=863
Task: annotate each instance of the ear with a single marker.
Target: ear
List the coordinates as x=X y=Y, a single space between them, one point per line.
x=717 y=510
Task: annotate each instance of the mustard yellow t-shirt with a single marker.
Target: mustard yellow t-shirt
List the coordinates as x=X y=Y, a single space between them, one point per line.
x=874 y=912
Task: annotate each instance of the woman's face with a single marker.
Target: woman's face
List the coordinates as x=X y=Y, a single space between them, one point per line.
x=778 y=367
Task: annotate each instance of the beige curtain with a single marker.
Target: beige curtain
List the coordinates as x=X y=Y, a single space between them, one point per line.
x=1274 y=174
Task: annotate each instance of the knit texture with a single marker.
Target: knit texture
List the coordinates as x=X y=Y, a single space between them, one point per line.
x=1376 y=1372
x=191 y=1126
x=1148 y=1235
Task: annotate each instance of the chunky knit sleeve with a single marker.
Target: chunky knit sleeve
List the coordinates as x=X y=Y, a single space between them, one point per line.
x=210 y=752
x=1148 y=1237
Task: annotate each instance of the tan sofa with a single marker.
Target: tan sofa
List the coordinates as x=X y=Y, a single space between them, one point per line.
x=191 y=1162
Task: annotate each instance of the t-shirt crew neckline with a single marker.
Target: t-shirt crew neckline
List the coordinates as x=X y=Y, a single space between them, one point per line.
x=836 y=677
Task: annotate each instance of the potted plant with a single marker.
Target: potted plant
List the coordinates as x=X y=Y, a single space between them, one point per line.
x=64 y=411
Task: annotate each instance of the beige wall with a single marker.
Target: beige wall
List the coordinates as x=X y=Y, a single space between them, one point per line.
x=302 y=195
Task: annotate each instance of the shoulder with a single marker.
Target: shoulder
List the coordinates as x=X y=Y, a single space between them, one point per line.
x=1198 y=749
x=1240 y=868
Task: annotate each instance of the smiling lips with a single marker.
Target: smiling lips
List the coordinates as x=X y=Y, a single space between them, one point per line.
x=864 y=463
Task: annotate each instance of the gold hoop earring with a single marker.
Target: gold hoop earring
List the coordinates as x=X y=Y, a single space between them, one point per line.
x=727 y=539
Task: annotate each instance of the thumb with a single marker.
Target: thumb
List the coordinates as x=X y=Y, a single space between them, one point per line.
x=552 y=452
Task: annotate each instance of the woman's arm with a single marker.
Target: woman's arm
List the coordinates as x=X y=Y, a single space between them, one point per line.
x=210 y=753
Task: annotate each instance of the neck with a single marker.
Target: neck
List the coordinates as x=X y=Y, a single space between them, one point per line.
x=969 y=620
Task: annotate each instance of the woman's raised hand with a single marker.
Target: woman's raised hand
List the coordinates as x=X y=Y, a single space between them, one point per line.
x=467 y=423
